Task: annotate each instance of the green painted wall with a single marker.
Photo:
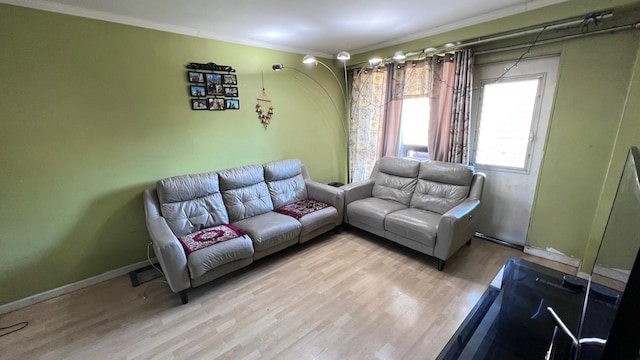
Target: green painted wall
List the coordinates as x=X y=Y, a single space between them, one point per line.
x=91 y=113
x=628 y=135
x=590 y=97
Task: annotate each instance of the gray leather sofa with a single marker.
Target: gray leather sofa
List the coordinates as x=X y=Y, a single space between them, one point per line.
x=244 y=197
x=429 y=206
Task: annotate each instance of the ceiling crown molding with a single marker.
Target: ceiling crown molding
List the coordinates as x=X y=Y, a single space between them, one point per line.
x=137 y=22
x=475 y=20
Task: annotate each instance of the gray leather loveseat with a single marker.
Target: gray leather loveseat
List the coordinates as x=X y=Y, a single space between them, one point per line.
x=429 y=206
x=187 y=215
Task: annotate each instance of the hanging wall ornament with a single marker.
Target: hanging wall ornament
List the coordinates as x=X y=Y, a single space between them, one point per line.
x=264 y=108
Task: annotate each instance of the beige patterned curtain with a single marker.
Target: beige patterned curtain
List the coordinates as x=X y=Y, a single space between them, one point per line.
x=376 y=109
x=368 y=107
x=451 y=107
x=411 y=79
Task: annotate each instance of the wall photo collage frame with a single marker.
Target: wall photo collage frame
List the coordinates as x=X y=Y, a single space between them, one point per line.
x=212 y=87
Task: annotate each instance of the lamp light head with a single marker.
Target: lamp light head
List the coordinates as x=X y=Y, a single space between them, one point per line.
x=399 y=56
x=277 y=67
x=375 y=62
x=309 y=59
x=343 y=56
x=430 y=50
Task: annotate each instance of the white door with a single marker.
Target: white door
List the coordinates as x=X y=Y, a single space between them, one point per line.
x=511 y=115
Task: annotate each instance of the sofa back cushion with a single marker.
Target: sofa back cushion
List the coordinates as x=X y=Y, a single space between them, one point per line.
x=441 y=186
x=285 y=182
x=244 y=192
x=396 y=179
x=190 y=203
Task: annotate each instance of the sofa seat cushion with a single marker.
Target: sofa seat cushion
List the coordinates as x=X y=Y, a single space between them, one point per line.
x=301 y=208
x=209 y=237
x=318 y=219
x=270 y=229
x=372 y=211
x=203 y=260
x=416 y=224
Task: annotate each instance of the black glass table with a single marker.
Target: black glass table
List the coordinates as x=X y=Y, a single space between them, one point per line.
x=511 y=320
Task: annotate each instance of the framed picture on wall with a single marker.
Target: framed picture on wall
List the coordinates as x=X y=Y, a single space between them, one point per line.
x=198 y=104
x=231 y=91
x=230 y=79
x=214 y=84
x=196 y=90
x=232 y=104
x=216 y=104
x=195 y=76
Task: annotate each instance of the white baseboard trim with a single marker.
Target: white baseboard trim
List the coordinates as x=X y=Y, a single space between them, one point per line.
x=611 y=273
x=65 y=289
x=555 y=256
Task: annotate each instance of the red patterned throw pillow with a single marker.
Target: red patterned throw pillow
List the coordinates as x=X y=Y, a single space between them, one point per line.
x=210 y=236
x=301 y=208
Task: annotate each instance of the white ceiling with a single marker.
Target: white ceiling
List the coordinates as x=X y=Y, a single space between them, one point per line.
x=321 y=28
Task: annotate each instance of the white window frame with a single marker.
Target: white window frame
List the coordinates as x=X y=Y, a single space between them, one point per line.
x=526 y=169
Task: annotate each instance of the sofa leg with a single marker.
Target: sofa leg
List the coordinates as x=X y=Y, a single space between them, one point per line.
x=183 y=296
x=469 y=242
x=345 y=226
x=338 y=229
x=440 y=265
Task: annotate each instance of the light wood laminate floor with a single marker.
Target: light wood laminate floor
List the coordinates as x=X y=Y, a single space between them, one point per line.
x=346 y=296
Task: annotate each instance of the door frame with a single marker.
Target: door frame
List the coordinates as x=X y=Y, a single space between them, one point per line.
x=546 y=103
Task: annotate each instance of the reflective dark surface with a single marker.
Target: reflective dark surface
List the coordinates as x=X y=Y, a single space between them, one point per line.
x=511 y=322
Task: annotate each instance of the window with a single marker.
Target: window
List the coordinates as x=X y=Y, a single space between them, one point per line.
x=506 y=114
x=415 y=127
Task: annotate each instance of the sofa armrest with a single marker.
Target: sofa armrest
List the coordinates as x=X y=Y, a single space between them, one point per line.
x=328 y=194
x=477 y=185
x=356 y=191
x=166 y=246
x=456 y=227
